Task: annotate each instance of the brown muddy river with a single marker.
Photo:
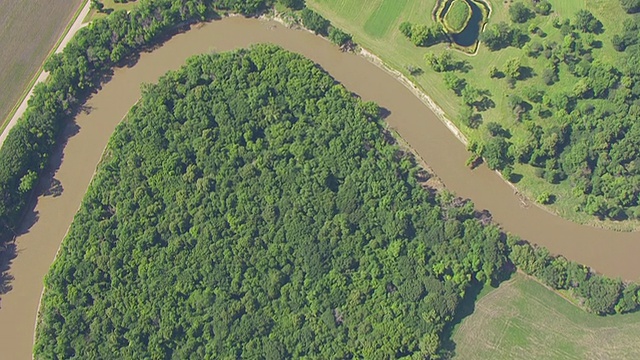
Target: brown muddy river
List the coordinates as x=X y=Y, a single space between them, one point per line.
x=612 y=253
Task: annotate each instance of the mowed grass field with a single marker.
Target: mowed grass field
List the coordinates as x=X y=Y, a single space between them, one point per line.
x=28 y=31
x=374 y=24
x=523 y=320
x=109 y=6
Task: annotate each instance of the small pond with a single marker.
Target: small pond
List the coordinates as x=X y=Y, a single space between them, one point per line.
x=467 y=40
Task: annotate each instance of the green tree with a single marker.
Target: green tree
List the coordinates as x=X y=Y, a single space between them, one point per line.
x=519 y=13
x=542 y=7
x=314 y=21
x=586 y=22
x=406 y=28
x=512 y=68
x=97 y=5
x=453 y=82
x=630 y=6
x=339 y=37
x=496 y=153
x=544 y=198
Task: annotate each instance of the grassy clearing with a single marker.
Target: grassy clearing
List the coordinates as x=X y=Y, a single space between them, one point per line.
x=457 y=16
x=109 y=7
x=384 y=17
x=523 y=320
x=398 y=52
x=28 y=32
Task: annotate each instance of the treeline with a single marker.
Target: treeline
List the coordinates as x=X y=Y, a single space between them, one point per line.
x=598 y=294
x=75 y=73
x=249 y=207
x=315 y=22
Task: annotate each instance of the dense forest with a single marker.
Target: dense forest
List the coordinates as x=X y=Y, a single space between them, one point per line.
x=573 y=107
x=251 y=207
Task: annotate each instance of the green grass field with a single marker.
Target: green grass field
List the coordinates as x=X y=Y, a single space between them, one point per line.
x=28 y=31
x=524 y=320
x=109 y=6
x=378 y=32
x=457 y=16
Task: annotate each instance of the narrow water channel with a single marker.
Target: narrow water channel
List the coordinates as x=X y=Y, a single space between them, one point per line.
x=608 y=252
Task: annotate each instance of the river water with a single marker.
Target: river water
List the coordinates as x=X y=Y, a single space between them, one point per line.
x=612 y=253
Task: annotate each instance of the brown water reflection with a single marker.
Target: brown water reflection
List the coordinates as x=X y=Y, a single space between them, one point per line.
x=609 y=252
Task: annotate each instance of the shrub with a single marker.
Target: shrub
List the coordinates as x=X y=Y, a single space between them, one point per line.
x=420 y=34
x=507 y=173
x=495 y=129
x=493 y=71
x=454 y=83
x=549 y=76
x=542 y=7
x=466 y=116
x=405 y=29
x=544 y=198
x=440 y=63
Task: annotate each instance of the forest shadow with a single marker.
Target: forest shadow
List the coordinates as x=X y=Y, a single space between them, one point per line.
x=526 y=72
x=463 y=66
x=415 y=71
x=54 y=188
x=515 y=178
x=384 y=113
x=8 y=253
x=466 y=307
x=86 y=109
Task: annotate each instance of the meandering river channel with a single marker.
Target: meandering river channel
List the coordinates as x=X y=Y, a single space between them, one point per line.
x=612 y=253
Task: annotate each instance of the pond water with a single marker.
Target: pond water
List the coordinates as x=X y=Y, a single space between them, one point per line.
x=469 y=36
x=609 y=252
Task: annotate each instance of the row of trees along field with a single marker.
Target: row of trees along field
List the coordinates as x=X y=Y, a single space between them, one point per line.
x=251 y=207
x=580 y=124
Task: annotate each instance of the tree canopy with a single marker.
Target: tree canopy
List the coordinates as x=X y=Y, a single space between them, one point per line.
x=249 y=206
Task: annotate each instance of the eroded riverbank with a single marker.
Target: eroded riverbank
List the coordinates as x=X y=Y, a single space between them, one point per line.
x=609 y=252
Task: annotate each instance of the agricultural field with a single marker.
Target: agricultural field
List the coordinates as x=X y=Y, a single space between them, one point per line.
x=379 y=34
x=522 y=319
x=28 y=31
